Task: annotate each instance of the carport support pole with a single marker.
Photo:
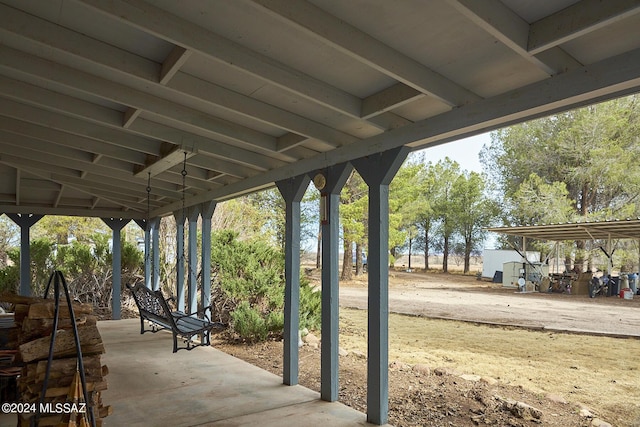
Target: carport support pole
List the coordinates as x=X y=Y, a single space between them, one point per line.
x=336 y=176
x=116 y=226
x=206 y=210
x=25 y=222
x=179 y=216
x=377 y=171
x=192 y=263
x=609 y=256
x=292 y=191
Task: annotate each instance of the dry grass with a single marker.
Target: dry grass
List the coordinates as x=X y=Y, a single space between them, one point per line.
x=601 y=372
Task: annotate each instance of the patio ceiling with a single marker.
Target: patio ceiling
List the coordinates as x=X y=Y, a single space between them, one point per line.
x=598 y=230
x=98 y=95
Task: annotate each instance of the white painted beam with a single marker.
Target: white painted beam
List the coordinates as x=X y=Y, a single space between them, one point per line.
x=513 y=31
x=114 y=143
x=577 y=20
x=35 y=168
x=17 y=187
x=77 y=127
x=51 y=158
x=361 y=46
x=189 y=118
x=164 y=25
x=389 y=98
x=76 y=211
x=56 y=203
x=176 y=59
x=80 y=52
x=257 y=110
x=606 y=79
x=201 y=144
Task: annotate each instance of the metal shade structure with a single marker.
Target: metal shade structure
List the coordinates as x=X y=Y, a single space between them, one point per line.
x=597 y=230
x=97 y=95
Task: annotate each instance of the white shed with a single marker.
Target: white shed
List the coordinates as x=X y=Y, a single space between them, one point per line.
x=494 y=259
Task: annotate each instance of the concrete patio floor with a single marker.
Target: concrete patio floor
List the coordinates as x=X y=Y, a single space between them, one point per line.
x=152 y=387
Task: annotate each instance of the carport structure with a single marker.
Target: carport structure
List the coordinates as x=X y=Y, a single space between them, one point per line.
x=571 y=231
x=97 y=97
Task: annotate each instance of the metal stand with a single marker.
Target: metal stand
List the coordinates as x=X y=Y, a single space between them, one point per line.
x=58 y=280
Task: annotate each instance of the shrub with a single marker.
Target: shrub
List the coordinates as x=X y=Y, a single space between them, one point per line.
x=248 y=323
x=248 y=288
x=9 y=279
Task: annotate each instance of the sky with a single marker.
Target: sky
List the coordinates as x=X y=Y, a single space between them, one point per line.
x=464 y=151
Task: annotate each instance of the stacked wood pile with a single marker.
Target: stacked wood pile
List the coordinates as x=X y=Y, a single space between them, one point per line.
x=35 y=318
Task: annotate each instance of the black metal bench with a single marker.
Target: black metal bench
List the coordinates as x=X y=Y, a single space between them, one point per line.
x=153 y=308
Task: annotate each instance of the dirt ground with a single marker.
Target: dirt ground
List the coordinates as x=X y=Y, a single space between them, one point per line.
x=450 y=373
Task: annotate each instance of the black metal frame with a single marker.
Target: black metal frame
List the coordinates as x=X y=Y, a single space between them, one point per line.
x=58 y=280
x=153 y=308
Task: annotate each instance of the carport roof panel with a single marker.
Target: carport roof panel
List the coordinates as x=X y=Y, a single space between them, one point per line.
x=615 y=229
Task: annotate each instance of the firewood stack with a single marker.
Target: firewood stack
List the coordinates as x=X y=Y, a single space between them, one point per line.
x=35 y=317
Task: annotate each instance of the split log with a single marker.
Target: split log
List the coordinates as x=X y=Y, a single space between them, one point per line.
x=42 y=327
x=20 y=312
x=64 y=391
x=19 y=299
x=34 y=316
x=90 y=343
x=67 y=367
x=105 y=411
x=47 y=310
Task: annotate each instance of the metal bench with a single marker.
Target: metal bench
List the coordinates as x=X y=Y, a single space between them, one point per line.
x=153 y=308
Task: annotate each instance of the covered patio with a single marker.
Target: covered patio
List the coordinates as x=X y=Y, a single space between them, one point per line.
x=138 y=110
x=150 y=386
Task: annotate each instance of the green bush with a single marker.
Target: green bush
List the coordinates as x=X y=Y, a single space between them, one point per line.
x=248 y=288
x=9 y=279
x=248 y=323
x=310 y=306
x=86 y=266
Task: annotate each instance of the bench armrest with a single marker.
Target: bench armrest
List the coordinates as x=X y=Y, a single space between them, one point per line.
x=203 y=312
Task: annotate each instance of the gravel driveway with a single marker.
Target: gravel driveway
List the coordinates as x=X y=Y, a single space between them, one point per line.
x=464 y=298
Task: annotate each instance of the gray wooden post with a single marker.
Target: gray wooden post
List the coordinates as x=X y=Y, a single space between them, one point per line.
x=155 y=252
x=292 y=191
x=116 y=226
x=377 y=171
x=25 y=222
x=192 y=262
x=336 y=177
x=179 y=217
x=142 y=223
x=206 y=210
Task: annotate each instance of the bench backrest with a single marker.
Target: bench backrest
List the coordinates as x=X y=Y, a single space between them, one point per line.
x=152 y=304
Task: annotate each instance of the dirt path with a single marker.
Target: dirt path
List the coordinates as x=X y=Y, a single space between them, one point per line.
x=464 y=298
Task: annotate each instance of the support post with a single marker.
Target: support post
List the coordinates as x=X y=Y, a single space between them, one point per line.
x=292 y=191
x=609 y=256
x=142 y=223
x=116 y=225
x=25 y=222
x=335 y=176
x=192 y=262
x=377 y=171
x=179 y=217
x=206 y=210
x=155 y=252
